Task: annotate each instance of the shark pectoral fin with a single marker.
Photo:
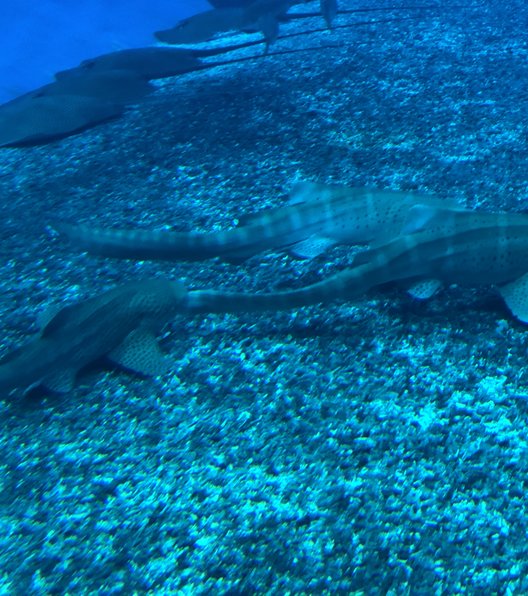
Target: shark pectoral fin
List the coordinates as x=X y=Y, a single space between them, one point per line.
x=141 y=353
x=424 y=289
x=515 y=294
x=60 y=382
x=430 y=212
x=311 y=247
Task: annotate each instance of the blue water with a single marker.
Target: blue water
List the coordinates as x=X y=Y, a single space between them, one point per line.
x=41 y=38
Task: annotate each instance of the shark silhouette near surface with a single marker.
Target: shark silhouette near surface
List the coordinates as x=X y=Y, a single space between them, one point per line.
x=261 y=15
x=155 y=62
x=120 y=325
x=317 y=217
x=443 y=246
x=69 y=105
x=101 y=89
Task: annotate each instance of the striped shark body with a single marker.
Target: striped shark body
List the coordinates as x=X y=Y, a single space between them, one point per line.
x=120 y=324
x=317 y=217
x=447 y=246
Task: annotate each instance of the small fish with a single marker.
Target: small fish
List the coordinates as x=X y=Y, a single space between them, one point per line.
x=443 y=246
x=317 y=217
x=120 y=325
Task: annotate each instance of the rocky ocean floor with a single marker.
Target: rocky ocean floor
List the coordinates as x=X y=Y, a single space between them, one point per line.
x=374 y=447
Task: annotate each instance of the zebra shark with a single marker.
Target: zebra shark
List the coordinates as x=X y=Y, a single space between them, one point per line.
x=317 y=217
x=438 y=246
x=119 y=324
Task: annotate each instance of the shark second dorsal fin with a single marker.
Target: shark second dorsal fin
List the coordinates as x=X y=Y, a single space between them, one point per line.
x=48 y=314
x=141 y=353
x=420 y=216
x=430 y=212
x=304 y=191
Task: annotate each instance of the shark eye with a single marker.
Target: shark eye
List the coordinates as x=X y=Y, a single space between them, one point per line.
x=88 y=64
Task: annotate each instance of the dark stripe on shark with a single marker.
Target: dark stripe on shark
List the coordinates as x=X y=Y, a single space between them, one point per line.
x=470 y=249
x=317 y=217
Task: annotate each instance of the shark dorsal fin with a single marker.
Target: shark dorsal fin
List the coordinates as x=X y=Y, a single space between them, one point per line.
x=302 y=192
x=47 y=315
x=429 y=213
x=53 y=321
x=420 y=216
x=305 y=191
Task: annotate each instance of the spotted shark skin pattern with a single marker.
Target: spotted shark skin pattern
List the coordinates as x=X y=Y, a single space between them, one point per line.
x=320 y=215
x=452 y=246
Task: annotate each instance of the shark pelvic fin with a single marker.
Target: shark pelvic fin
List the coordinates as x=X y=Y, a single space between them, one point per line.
x=60 y=382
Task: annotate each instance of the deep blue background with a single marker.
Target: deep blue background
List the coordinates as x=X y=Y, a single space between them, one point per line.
x=40 y=38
